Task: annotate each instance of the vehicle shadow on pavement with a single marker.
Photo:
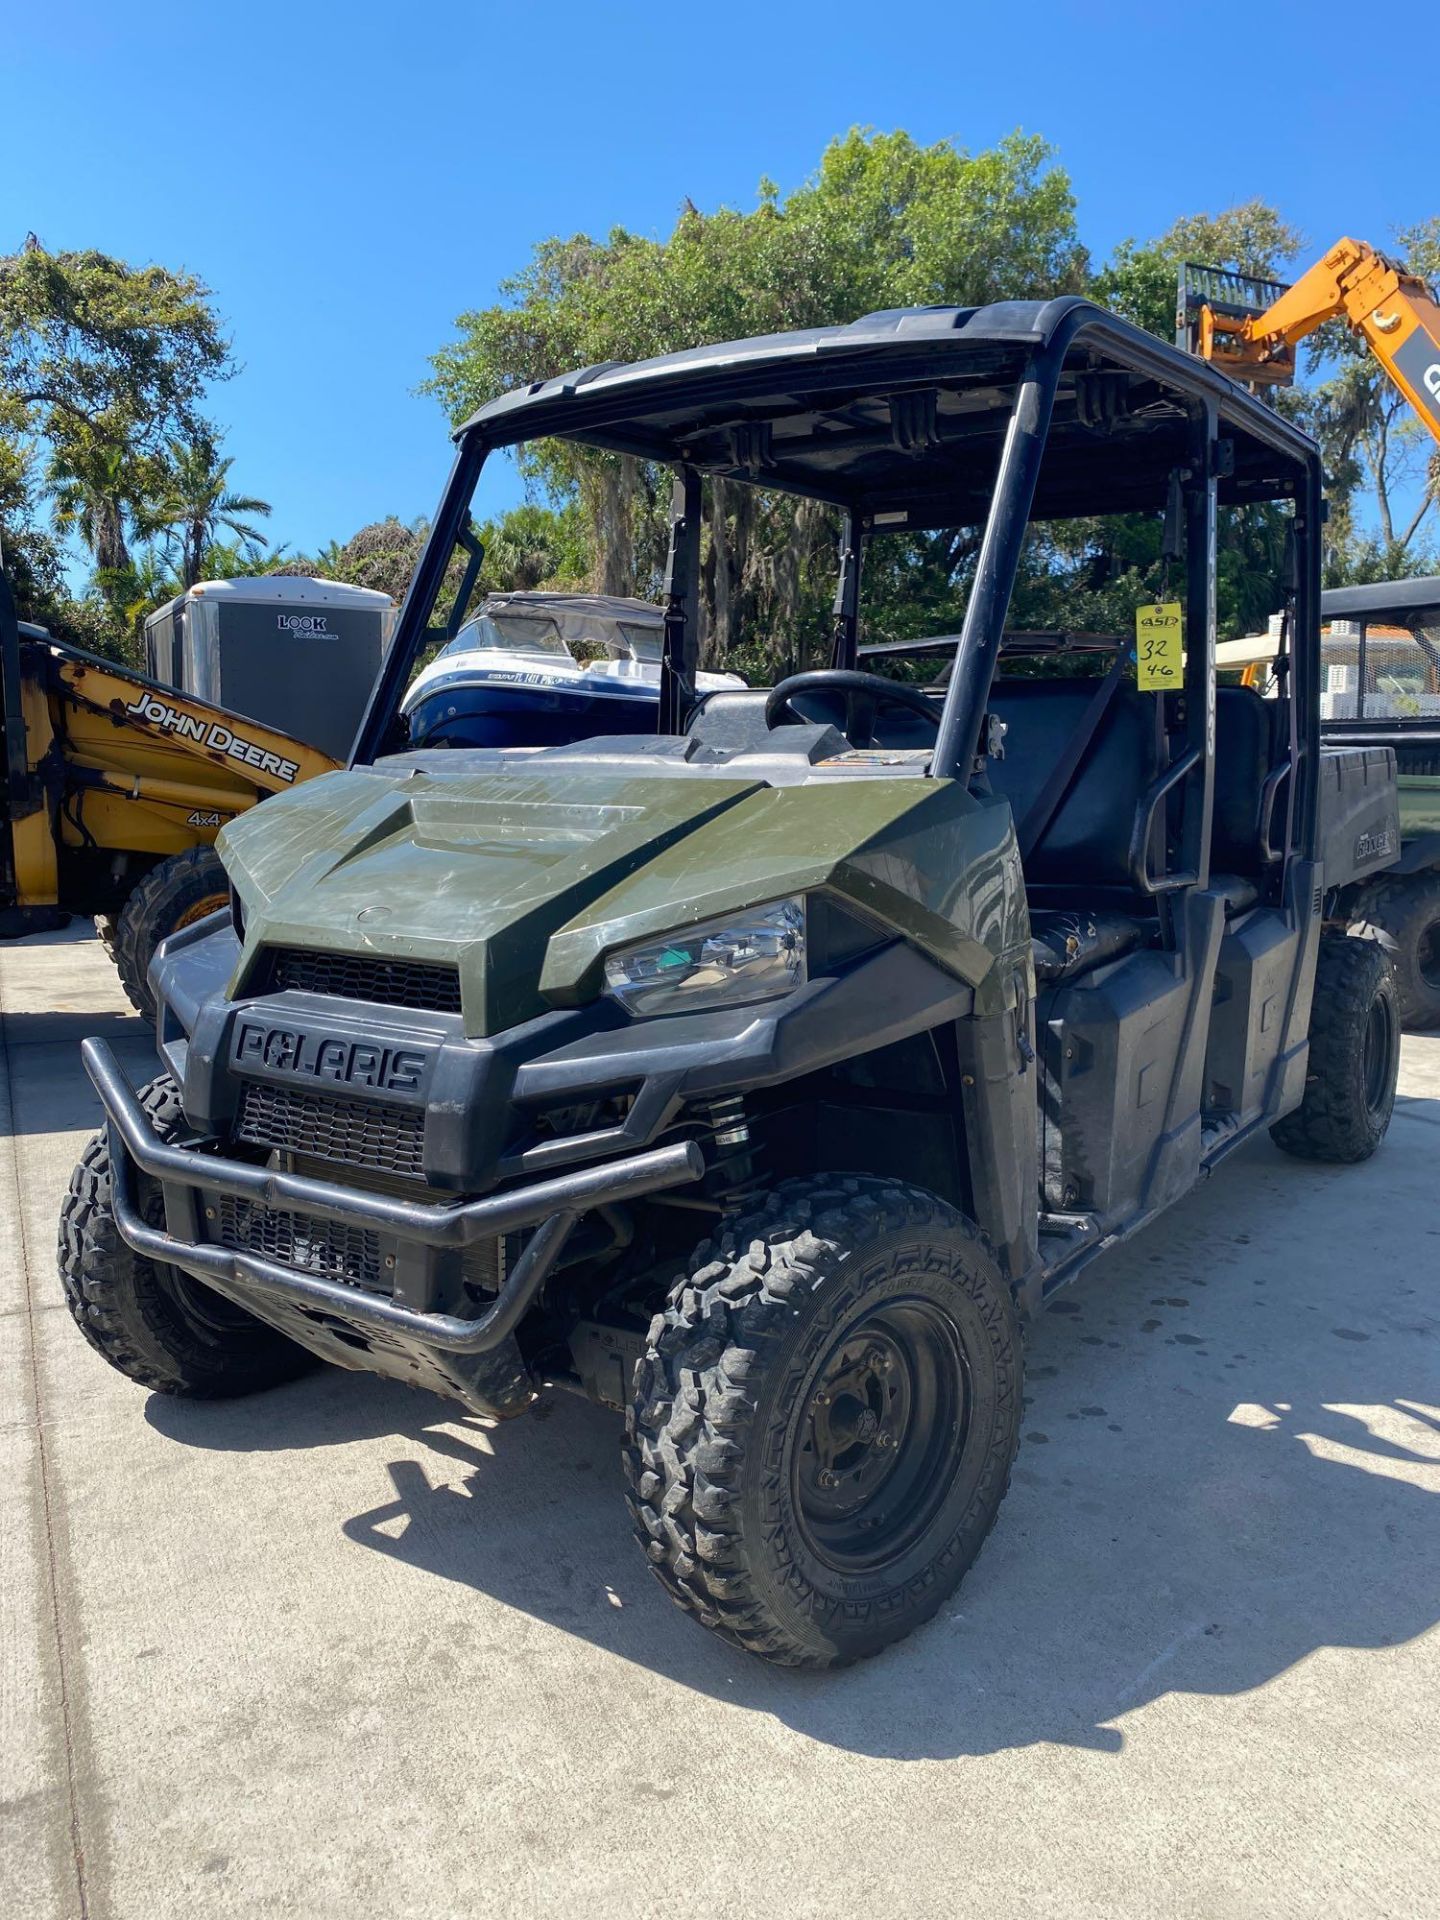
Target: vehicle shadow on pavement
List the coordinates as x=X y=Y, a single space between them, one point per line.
x=52 y=1092
x=1231 y=1452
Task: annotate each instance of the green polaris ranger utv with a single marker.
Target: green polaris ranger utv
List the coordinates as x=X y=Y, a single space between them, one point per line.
x=760 y=1077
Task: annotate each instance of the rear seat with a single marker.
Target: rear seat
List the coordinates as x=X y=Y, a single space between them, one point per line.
x=1084 y=911
x=1086 y=844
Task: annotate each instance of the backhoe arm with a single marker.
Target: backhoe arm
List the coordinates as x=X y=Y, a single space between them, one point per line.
x=1392 y=308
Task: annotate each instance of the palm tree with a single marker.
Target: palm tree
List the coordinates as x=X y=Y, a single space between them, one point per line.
x=196 y=504
x=93 y=485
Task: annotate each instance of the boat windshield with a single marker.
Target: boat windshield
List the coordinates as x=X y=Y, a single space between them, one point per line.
x=509 y=633
x=644 y=643
x=581 y=638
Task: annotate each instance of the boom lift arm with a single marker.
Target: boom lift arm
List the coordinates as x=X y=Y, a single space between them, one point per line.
x=1250 y=328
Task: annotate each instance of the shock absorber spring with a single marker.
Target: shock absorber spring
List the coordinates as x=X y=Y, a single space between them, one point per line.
x=733 y=1176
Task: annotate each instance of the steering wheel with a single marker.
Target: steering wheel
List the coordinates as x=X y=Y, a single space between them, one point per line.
x=862 y=694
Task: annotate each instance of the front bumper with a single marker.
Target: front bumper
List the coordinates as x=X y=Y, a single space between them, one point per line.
x=188 y=1178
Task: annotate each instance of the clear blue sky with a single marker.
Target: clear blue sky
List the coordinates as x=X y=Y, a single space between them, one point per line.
x=347 y=179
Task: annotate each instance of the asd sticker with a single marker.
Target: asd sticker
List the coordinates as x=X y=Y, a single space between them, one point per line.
x=1159 y=661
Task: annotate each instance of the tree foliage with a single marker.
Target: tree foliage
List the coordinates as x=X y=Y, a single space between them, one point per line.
x=1139 y=280
x=87 y=342
x=883 y=222
x=886 y=222
x=106 y=368
x=192 y=504
x=531 y=546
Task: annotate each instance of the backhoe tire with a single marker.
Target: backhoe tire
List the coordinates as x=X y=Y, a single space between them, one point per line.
x=1407 y=907
x=150 y=1321
x=180 y=890
x=824 y=1419
x=1354 y=1056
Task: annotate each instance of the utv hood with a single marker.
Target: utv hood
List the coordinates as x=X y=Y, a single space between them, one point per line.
x=525 y=876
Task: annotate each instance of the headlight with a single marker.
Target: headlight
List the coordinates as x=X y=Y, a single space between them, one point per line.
x=755 y=955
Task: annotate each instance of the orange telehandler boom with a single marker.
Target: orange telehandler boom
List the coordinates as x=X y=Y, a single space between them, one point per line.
x=1250 y=328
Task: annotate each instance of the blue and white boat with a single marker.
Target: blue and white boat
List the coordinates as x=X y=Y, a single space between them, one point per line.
x=543 y=669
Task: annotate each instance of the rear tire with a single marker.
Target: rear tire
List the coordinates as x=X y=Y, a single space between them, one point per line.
x=1354 y=1056
x=825 y=1419
x=150 y=1321
x=1407 y=907
x=179 y=890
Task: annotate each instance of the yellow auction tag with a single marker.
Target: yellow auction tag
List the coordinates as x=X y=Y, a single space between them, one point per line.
x=1159 y=662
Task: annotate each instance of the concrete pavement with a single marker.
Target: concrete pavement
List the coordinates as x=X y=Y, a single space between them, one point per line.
x=343 y=1650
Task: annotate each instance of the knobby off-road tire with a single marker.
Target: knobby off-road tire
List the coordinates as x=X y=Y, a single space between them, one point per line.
x=1407 y=907
x=172 y=895
x=825 y=1419
x=1354 y=1056
x=148 y=1320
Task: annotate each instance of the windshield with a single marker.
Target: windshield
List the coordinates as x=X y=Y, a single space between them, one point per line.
x=511 y=632
x=644 y=643
x=581 y=637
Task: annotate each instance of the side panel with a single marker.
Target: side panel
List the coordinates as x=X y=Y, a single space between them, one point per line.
x=1304 y=904
x=999 y=1091
x=1258 y=959
x=1110 y=1047
x=1359 y=813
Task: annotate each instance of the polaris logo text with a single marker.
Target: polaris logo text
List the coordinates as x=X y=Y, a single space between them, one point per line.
x=1371 y=845
x=301 y=622
x=209 y=733
x=350 y=1063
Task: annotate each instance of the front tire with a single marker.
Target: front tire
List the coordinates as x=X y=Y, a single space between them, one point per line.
x=174 y=894
x=1354 y=1056
x=825 y=1419
x=150 y=1321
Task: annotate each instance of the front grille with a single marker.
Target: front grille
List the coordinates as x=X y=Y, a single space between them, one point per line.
x=350 y=1132
x=335 y=1251
x=325 y=1247
x=419 y=984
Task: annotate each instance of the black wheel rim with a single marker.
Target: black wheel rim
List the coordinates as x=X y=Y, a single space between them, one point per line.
x=1427 y=956
x=207 y=1312
x=881 y=1435
x=1379 y=1042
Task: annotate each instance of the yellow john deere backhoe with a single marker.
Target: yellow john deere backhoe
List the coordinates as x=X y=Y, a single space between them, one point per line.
x=115 y=788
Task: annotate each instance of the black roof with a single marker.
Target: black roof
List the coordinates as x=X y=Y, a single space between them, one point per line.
x=1381 y=596
x=902 y=414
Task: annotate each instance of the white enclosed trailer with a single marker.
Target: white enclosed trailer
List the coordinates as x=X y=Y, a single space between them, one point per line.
x=291 y=652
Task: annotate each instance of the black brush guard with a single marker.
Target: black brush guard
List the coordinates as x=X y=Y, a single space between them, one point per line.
x=551 y=1207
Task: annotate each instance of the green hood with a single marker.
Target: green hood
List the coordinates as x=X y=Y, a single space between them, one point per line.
x=526 y=880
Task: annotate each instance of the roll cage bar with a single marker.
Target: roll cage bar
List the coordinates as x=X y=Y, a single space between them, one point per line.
x=918 y=419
